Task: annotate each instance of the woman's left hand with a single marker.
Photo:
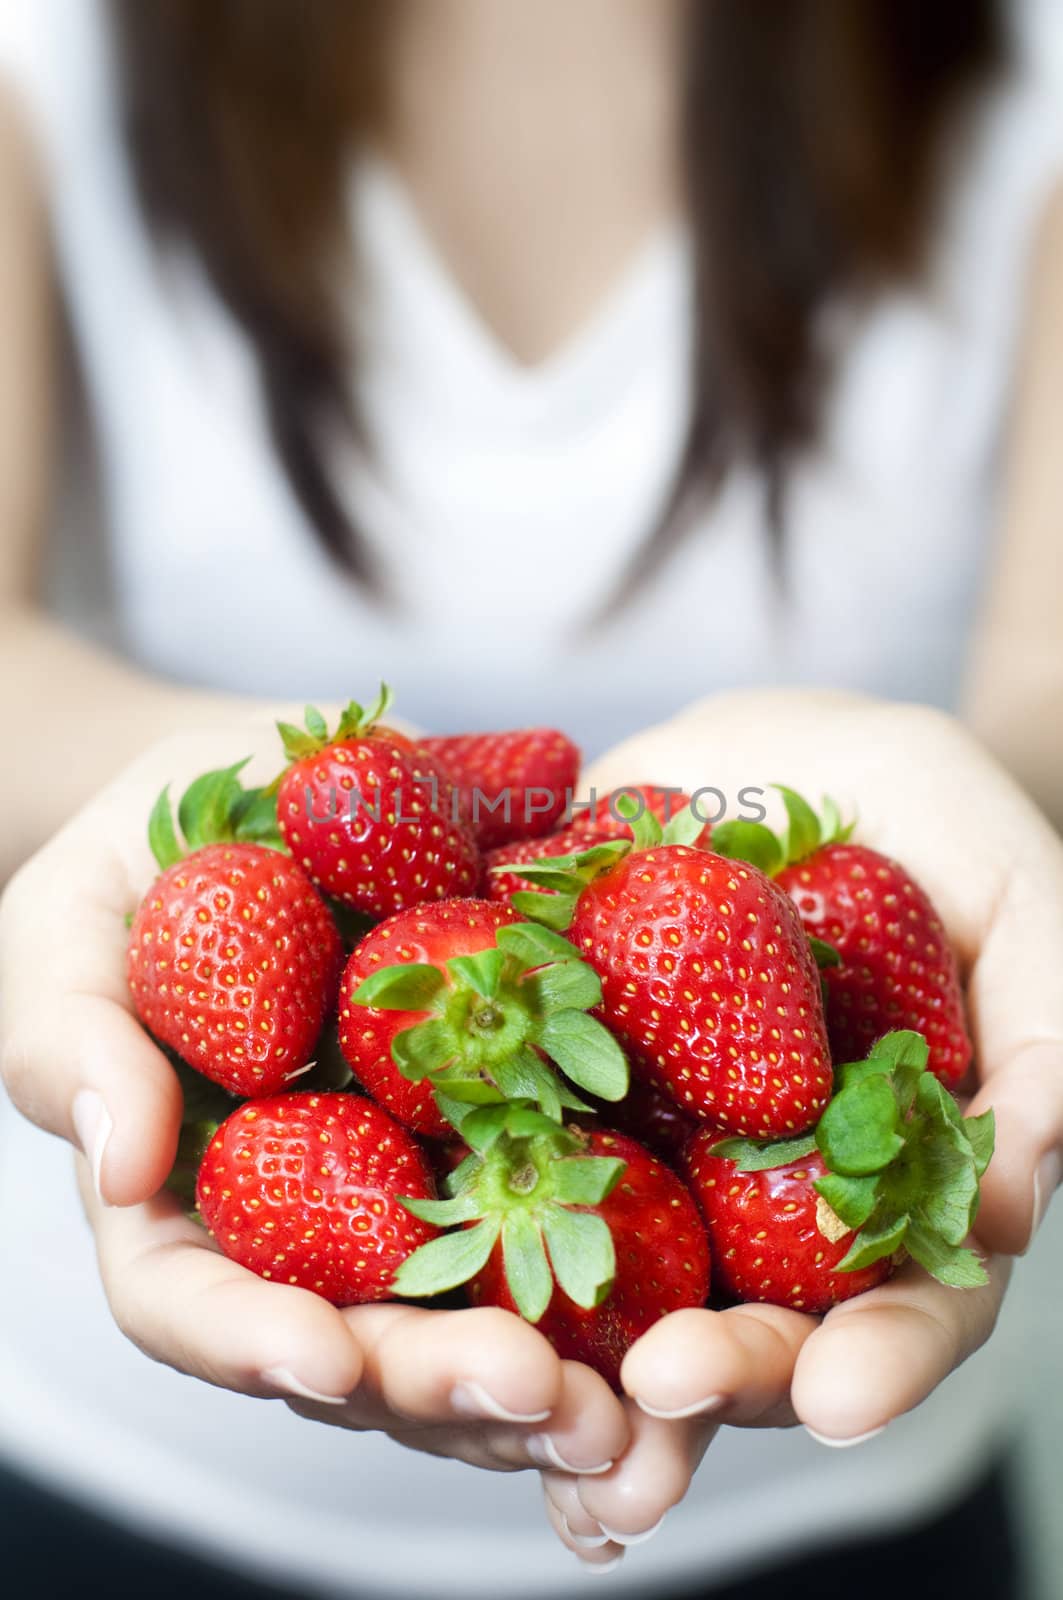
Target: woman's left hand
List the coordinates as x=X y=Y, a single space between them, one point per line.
x=925 y=792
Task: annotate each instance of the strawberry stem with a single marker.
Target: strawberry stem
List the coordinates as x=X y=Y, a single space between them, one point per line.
x=494 y=1016
x=903 y=1164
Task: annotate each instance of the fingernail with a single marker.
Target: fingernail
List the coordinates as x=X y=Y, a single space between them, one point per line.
x=282 y=1378
x=544 y=1453
x=93 y=1126
x=631 y=1538
x=472 y=1400
x=1045 y=1183
x=697 y=1408
x=844 y=1444
x=585 y=1541
x=598 y=1567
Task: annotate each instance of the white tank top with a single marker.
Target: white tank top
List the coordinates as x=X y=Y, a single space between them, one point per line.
x=506 y=500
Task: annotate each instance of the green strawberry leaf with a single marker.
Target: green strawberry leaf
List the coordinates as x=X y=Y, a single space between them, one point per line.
x=254 y=819
x=958 y=1268
x=296 y=742
x=684 y=828
x=469 y=1091
x=859 y=1132
x=316 y=726
x=586 y=1180
x=581 y=1254
x=523 y=1076
x=552 y=910
x=526 y=1122
x=851 y=1199
x=448 y=1261
x=564 y=986
x=415 y=986
x=161 y=834
x=443 y=1213
x=825 y=954
x=532 y=945
x=981 y=1131
x=803 y=833
x=875 y=1240
x=482 y=1128
x=750 y=1156
x=586 y=1052
x=482 y=972
x=206 y=808
x=423 y=1050
x=741 y=840
x=528 y=1272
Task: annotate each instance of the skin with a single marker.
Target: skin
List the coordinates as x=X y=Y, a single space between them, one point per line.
x=924 y=789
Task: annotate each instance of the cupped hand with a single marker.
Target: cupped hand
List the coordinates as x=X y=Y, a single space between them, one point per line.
x=925 y=792
x=478 y=1385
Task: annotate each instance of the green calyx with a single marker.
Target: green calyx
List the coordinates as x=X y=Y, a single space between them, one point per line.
x=524 y=1183
x=355 y=721
x=806 y=833
x=214 y=809
x=566 y=877
x=903 y=1164
x=494 y=1016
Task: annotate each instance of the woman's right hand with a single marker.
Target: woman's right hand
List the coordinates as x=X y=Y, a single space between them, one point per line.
x=478 y=1385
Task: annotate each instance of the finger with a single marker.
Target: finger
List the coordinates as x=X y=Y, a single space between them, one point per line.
x=587 y=1430
x=1016 y=1006
x=577 y=1531
x=442 y=1367
x=75 y=1060
x=735 y=1366
x=630 y=1501
x=185 y=1304
x=880 y=1354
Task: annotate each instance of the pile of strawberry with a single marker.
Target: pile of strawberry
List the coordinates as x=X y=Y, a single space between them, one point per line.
x=581 y=1059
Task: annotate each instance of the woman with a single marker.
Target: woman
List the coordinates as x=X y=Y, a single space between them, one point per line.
x=495 y=348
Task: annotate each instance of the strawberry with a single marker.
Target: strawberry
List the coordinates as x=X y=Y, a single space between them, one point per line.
x=465 y=1000
x=892 y=1169
x=233 y=958
x=587 y=1235
x=773 y=1237
x=605 y=819
x=306 y=1188
x=371 y=816
x=892 y=965
x=708 y=979
x=514 y=785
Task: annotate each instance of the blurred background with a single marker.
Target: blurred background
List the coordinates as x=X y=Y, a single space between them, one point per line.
x=317 y=375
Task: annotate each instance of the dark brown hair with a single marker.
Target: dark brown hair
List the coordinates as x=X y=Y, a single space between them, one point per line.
x=814 y=133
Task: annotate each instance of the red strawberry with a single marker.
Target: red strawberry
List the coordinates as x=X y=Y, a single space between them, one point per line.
x=892 y=1169
x=514 y=785
x=465 y=998
x=371 y=816
x=772 y=1237
x=897 y=969
x=662 y=1263
x=305 y=1189
x=605 y=821
x=587 y=1235
x=233 y=957
x=707 y=977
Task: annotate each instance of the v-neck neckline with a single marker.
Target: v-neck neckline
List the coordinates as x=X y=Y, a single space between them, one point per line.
x=406 y=273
